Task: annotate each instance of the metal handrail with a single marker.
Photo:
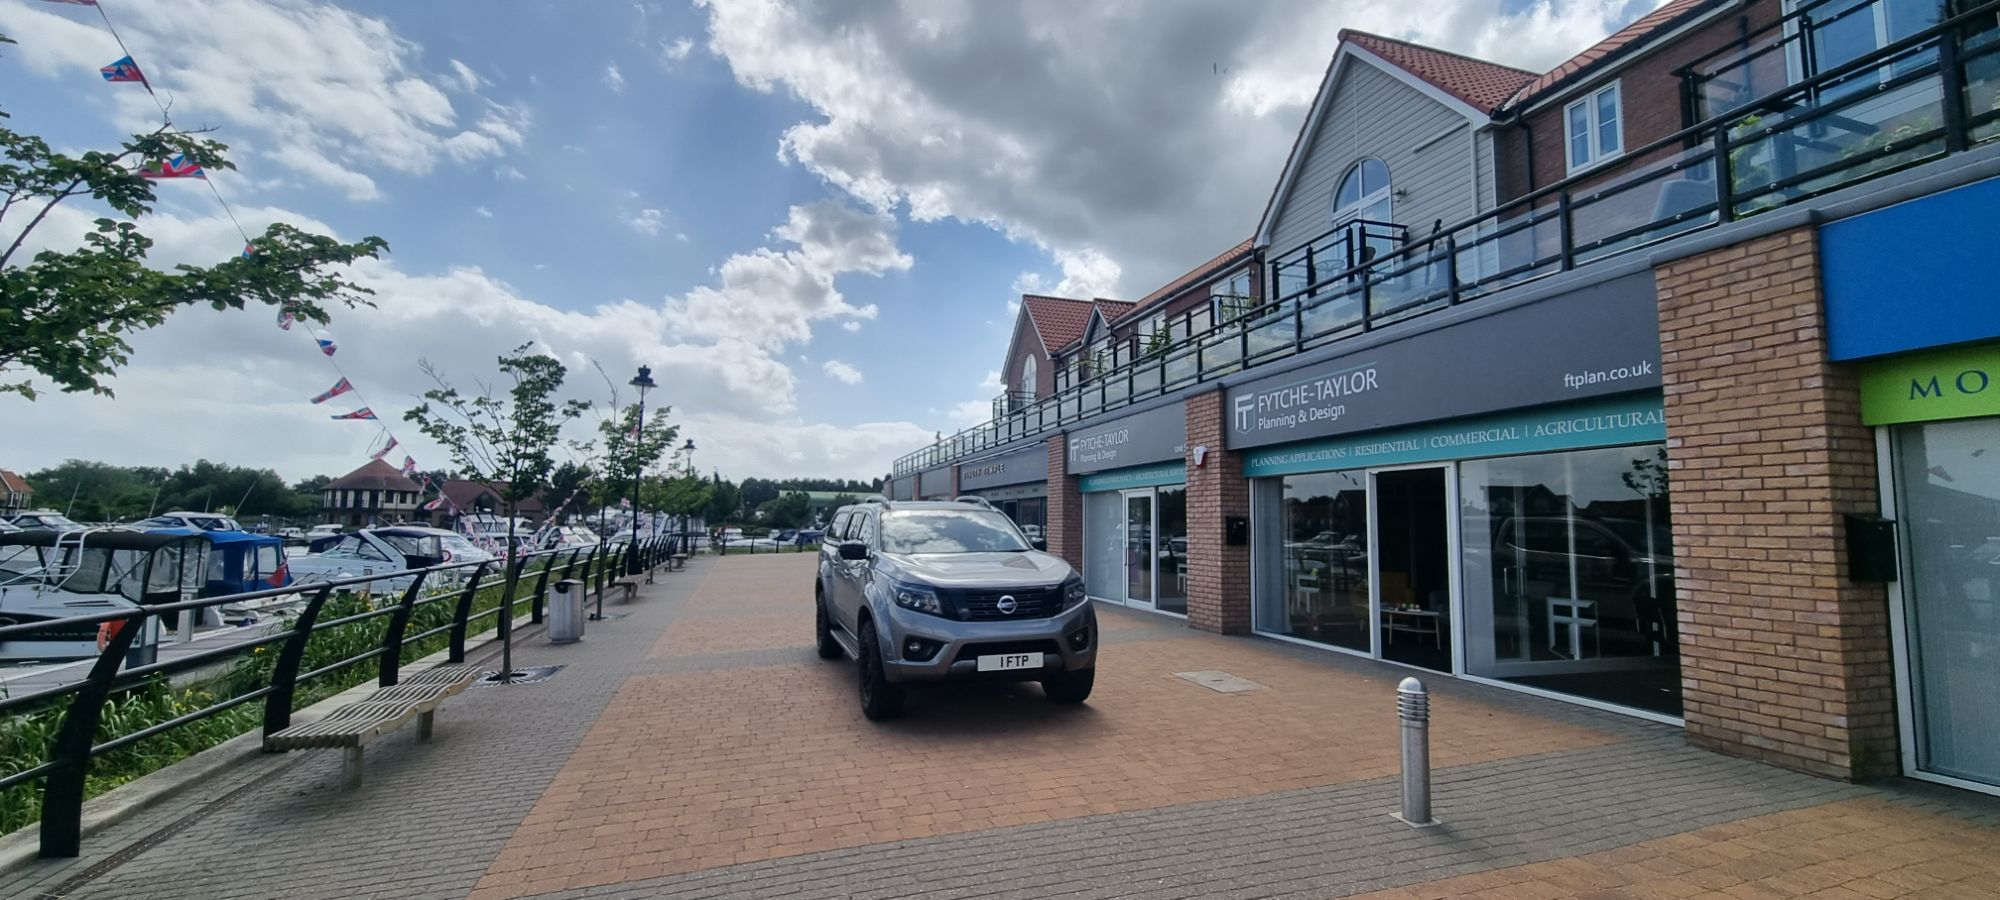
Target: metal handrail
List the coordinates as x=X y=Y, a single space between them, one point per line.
x=68 y=766
x=1698 y=153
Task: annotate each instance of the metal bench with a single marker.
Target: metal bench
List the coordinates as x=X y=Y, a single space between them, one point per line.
x=352 y=727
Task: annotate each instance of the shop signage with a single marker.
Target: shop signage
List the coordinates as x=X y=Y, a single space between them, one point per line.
x=1597 y=341
x=934 y=483
x=1604 y=421
x=1943 y=384
x=1135 y=477
x=1018 y=467
x=1912 y=276
x=1152 y=436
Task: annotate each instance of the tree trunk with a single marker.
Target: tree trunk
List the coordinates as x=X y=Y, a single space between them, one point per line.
x=513 y=573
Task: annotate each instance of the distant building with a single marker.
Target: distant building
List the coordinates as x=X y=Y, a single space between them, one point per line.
x=465 y=496
x=15 y=493
x=375 y=494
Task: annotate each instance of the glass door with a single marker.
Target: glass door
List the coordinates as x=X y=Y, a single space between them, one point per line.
x=1104 y=546
x=1139 y=554
x=1413 y=566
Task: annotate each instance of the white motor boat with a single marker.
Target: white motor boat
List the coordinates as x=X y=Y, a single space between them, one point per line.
x=46 y=575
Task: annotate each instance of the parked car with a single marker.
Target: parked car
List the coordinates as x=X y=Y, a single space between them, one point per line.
x=807 y=536
x=938 y=591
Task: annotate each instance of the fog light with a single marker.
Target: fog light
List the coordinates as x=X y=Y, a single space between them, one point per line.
x=918 y=649
x=1079 y=639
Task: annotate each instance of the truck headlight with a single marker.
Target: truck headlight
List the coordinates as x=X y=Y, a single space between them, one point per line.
x=1073 y=592
x=919 y=597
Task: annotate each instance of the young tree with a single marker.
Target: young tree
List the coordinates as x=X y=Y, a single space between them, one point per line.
x=629 y=451
x=502 y=442
x=65 y=314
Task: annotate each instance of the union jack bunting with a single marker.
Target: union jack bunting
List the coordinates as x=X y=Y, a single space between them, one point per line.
x=176 y=166
x=385 y=449
x=124 y=70
x=434 y=504
x=409 y=465
x=363 y=414
x=339 y=387
x=326 y=346
x=285 y=318
x=249 y=249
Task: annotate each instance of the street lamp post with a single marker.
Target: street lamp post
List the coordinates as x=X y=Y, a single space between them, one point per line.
x=644 y=382
x=688 y=467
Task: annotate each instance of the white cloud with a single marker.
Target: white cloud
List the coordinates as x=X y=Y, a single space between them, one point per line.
x=850 y=326
x=681 y=236
x=483 y=211
x=467 y=79
x=509 y=173
x=676 y=50
x=718 y=347
x=614 y=79
x=841 y=372
x=335 y=92
x=648 y=222
x=1128 y=167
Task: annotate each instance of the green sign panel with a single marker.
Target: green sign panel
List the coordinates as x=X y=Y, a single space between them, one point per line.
x=1636 y=418
x=1923 y=387
x=1135 y=477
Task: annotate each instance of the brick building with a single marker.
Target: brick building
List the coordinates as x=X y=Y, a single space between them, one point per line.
x=1700 y=426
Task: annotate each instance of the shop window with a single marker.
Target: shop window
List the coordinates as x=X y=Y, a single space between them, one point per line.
x=1948 y=499
x=1593 y=128
x=1568 y=574
x=1321 y=565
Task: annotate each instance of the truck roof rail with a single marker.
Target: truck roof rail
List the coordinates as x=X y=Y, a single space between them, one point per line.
x=973 y=499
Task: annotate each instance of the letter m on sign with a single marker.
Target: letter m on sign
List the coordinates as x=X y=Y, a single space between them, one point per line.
x=1920 y=389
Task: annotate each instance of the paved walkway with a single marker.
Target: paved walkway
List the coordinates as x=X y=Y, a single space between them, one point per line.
x=696 y=747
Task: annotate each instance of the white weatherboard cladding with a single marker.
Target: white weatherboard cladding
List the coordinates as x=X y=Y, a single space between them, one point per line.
x=1373 y=114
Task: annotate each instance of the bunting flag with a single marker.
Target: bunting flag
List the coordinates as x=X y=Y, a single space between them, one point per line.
x=434 y=504
x=385 y=449
x=124 y=70
x=409 y=466
x=363 y=414
x=339 y=387
x=249 y=249
x=326 y=346
x=176 y=166
x=284 y=319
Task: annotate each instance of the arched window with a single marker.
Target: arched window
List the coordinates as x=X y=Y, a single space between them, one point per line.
x=1363 y=193
x=1026 y=388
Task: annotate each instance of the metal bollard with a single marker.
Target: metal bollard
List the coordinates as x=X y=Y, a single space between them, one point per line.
x=1413 y=707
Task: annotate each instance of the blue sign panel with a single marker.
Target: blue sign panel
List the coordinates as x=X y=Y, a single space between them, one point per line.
x=1603 y=422
x=1918 y=274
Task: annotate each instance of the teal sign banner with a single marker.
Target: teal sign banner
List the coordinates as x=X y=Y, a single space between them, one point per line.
x=1624 y=419
x=1136 y=477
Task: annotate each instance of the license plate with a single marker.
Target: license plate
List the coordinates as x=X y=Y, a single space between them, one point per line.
x=1005 y=661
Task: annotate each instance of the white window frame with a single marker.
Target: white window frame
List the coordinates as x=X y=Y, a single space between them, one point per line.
x=1598 y=155
x=1027 y=383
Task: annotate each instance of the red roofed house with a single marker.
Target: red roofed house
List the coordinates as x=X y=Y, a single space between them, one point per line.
x=16 y=495
x=375 y=494
x=1398 y=141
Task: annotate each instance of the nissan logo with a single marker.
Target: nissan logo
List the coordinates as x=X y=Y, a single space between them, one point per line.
x=1006 y=604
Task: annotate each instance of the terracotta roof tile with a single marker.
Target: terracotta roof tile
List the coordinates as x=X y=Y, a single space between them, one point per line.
x=1058 y=320
x=1195 y=275
x=1645 y=26
x=1480 y=84
x=13 y=482
x=375 y=476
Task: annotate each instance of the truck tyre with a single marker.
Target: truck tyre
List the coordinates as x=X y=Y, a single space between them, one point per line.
x=823 y=632
x=880 y=700
x=1070 y=687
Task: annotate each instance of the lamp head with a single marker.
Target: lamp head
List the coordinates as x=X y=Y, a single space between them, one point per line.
x=645 y=378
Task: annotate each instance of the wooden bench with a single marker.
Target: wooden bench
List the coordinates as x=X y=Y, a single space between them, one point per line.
x=352 y=727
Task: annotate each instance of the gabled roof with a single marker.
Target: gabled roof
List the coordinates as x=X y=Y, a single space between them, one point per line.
x=1475 y=82
x=375 y=476
x=1654 y=24
x=15 y=483
x=1193 y=276
x=1058 y=321
x=464 y=493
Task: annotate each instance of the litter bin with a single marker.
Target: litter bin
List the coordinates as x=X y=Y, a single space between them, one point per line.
x=566 y=612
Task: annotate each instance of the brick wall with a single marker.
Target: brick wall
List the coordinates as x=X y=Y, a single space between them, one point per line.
x=1065 y=512
x=1782 y=658
x=1218 y=574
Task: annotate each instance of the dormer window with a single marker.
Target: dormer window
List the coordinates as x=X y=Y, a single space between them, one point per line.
x=1363 y=194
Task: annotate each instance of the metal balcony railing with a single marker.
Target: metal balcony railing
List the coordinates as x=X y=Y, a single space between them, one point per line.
x=1914 y=99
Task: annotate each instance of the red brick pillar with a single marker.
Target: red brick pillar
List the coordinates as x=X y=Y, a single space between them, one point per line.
x=1218 y=574
x=1065 y=531
x=1782 y=658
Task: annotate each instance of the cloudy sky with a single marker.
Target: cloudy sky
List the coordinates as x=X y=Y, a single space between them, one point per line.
x=812 y=219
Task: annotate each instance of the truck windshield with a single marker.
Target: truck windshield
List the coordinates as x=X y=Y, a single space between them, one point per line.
x=949 y=531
